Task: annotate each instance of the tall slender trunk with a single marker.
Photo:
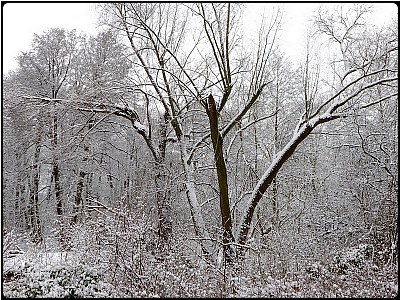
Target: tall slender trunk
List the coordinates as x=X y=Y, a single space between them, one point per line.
x=20 y=208
x=33 y=202
x=275 y=212
x=56 y=169
x=57 y=184
x=266 y=180
x=78 y=196
x=163 y=193
x=17 y=205
x=222 y=179
x=195 y=208
x=57 y=188
x=163 y=198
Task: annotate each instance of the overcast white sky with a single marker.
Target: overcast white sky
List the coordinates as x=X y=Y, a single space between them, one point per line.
x=22 y=20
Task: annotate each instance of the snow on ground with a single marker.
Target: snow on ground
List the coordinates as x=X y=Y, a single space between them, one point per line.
x=53 y=274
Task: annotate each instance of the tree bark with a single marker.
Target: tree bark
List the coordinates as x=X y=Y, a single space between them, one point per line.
x=195 y=208
x=78 y=196
x=57 y=188
x=33 y=206
x=222 y=179
x=20 y=208
x=163 y=194
x=278 y=161
x=268 y=178
x=56 y=170
x=163 y=198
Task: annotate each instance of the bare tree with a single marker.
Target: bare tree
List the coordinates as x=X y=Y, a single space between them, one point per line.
x=164 y=99
x=49 y=64
x=357 y=78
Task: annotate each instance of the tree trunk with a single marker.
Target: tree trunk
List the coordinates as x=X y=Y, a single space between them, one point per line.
x=195 y=208
x=57 y=188
x=163 y=193
x=163 y=198
x=57 y=185
x=33 y=205
x=222 y=179
x=268 y=177
x=20 y=208
x=275 y=212
x=56 y=170
x=78 y=196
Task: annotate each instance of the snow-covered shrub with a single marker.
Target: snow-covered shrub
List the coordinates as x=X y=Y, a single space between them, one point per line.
x=34 y=279
x=315 y=269
x=12 y=242
x=352 y=257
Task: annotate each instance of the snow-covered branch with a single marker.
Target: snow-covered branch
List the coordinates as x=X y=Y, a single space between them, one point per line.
x=342 y=90
x=106 y=108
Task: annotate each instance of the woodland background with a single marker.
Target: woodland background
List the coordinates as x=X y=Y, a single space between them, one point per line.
x=171 y=156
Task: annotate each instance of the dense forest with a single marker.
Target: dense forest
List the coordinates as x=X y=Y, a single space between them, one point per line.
x=170 y=155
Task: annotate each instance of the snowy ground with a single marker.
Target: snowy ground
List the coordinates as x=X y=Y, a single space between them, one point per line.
x=65 y=274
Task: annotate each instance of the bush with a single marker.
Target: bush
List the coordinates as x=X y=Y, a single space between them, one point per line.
x=352 y=257
x=66 y=279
